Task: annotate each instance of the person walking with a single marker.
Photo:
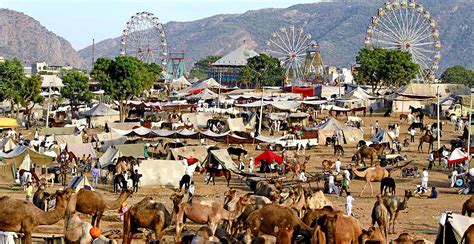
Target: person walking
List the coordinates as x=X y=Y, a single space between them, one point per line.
x=135 y=180
x=412 y=135
x=377 y=127
x=424 y=180
x=337 y=166
x=344 y=186
x=331 y=184
x=371 y=111
x=302 y=177
x=95 y=176
x=349 y=201
x=251 y=165
x=430 y=160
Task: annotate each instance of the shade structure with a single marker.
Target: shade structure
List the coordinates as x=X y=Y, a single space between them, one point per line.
x=268 y=157
x=457 y=156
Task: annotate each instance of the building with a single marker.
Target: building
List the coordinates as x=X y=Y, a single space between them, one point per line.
x=48 y=69
x=227 y=69
x=52 y=82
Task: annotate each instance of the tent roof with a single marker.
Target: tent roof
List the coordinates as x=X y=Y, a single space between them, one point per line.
x=332 y=125
x=204 y=95
x=58 y=131
x=80 y=149
x=224 y=158
x=100 y=109
x=108 y=157
x=166 y=173
x=428 y=91
x=457 y=156
x=357 y=93
x=51 y=80
x=268 y=156
x=238 y=57
x=131 y=150
x=382 y=137
x=199 y=152
x=80 y=182
x=182 y=81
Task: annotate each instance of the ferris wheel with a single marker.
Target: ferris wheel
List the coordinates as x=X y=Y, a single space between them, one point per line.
x=289 y=45
x=406 y=25
x=144 y=38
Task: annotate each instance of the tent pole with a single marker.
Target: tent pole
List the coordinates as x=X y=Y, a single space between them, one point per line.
x=469 y=134
x=261 y=112
x=438 y=126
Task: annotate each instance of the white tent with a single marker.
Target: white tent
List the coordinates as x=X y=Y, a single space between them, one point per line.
x=166 y=173
x=79 y=182
x=332 y=126
x=206 y=94
x=457 y=156
x=452 y=227
x=222 y=157
x=100 y=109
x=236 y=124
x=383 y=137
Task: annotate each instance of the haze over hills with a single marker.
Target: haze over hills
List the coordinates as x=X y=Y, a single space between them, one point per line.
x=24 y=37
x=339 y=26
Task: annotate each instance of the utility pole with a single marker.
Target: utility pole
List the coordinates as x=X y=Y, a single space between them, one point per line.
x=261 y=114
x=219 y=92
x=438 y=126
x=469 y=134
x=93 y=53
x=49 y=101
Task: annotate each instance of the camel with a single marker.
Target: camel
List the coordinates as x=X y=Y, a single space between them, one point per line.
x=404 y=238
x=468 y=206
x=257 y=203
x=372 y=235
x=327 y=165
x=379 y=147
x=299 y=204
x=265 y=189
x=388 y=183
x=122 y=167
x=468 y=236
x=312 y=215
x=41 y=198
x=22 y=217
x=366 y=152
x=176 y=198
x=207 y=212
x=284 y=235
x=229 y=195
x=77 y=230
x=317 y=200
x=265 y=220
x=371 y=174
x=146 y=214
x=381 y=216
x=48 y=177
x=428 y=139
x=394 y=205
x=340 y=228
x=92 y=203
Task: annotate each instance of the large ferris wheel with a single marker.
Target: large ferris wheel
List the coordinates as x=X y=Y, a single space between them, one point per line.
x=144 y=37
x=407 y=25
x=289 y=45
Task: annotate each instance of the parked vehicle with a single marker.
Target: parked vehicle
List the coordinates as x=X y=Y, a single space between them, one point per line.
x=291 y=142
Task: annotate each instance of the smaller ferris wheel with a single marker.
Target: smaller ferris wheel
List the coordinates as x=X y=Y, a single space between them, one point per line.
x=407 y=25
x=144 y=38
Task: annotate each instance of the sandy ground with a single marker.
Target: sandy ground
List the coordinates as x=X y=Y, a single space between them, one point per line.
x=420 y=219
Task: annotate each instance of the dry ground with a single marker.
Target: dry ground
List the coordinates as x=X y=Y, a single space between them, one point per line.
x=420 y=219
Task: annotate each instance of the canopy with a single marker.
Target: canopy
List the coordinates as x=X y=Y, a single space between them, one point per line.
x=268 y=157
x=131 y=150
x=357 y=93
x=452 y=227
x=100 y=109
x=285 y=105
x=199 y=152
x=80 y=182
x=236 y=124
x=7 y=123
x=205 y=94
x=165 y=173
x=457 y=156
x=7 y=144
x=108 y=157
x=333 y=126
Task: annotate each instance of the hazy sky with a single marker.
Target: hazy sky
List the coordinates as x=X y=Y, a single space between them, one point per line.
x=79 y=21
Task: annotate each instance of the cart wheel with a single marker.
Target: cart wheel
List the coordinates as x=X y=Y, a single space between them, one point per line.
x=459 y=182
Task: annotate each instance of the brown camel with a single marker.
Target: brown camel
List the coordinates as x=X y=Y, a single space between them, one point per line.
x=372 y=174
x=381 y=216
x=299 y=204
x=394 y=205
x=366 y=152
x=312 y=215
x=468 y=206
x=372 y=235
x=284 y=235
x=265 y=189
x=48 y=178
x=22 y=217
x=146 y=214
x=468 y=236
x=404 y=238
x=327 y=164
x=92 y=203
x=318 y=236
x=265 y=220
x=340 y=228
x=176 y=198
x=122 y=167
x=207 y=212
x=379 y=147
x=229 y=195
x=426 y=139
x=41 y=198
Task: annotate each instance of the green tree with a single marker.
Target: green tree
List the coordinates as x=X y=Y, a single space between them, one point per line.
x=262 y=70
x=379 y=67
x=202 y=67
x=11 y=73
x=123 y=78
x=29 y=90
x=399 y=69
x=76 y=89
x=459 y=75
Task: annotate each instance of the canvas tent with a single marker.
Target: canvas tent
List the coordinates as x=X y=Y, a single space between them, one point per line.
x=166 y=173
x=21 y=158
x=236 y=124
x=333 y=126
x=108 y=157
x=7 y=123
x=383 y=137
x=79 y=182
x=131 y=150
x=199 y=152
x=58 y=131
x=80 y=149
x=457 y=156
x=222 y=157
x=452 y=227
x=7 y=144
x=355 y=99
x=101 y=114
x=268 y=156
x=206 y=94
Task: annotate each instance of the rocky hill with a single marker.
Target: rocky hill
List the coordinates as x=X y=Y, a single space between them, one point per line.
x=339 y=26
x=24 y=37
